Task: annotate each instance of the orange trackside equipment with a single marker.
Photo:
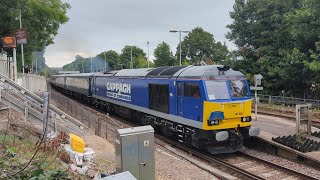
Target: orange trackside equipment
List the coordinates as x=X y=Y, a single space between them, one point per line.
x=77 y=143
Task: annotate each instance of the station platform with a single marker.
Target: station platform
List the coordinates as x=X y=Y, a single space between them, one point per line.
x=272 y=127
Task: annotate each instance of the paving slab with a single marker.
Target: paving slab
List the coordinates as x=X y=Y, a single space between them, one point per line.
x=274 y=126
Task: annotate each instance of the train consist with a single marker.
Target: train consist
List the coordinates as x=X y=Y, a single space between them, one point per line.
x=207 y=107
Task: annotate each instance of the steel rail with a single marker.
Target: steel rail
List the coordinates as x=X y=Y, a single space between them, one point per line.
x=207 y=157
x=297 y=173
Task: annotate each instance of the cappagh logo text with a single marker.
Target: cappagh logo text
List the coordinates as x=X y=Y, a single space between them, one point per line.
x=119 y=88
x=119 y=91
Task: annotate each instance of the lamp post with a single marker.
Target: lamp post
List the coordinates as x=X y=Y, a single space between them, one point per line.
x=131 y=65
x=180 y=31
x=148 y=53
x=105 y=61
x=91 y=64
x=82 y=66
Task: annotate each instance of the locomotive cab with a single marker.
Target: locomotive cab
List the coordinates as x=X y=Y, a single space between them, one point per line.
x=221 y=100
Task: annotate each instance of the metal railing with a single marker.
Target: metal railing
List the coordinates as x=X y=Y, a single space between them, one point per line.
x=287 y=100
x=6 y=66
x=22 y=100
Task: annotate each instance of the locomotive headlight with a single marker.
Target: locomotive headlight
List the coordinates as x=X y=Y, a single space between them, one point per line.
x=246 y=119
x=216 y=122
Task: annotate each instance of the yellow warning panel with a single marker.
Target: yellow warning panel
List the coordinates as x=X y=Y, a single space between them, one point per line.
x=77 y=143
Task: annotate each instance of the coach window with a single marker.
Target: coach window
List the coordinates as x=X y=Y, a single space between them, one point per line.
x=192 y=90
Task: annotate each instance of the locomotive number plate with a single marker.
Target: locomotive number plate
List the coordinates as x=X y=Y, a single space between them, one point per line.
x=231 y=106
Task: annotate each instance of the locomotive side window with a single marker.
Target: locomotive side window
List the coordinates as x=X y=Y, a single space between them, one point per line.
x=180 y=89
x=192 y=90
x=159 y=97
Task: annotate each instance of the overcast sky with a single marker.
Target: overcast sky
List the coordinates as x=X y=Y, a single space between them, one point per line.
x=99 y=25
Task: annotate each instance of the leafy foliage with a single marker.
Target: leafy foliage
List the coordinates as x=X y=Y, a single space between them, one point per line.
x=164 y=56
x=39 y=62
x=15 y=153
x=278 y=39
x=42 y=20
x=200 y=45
x=137 y=55
x=111 y=57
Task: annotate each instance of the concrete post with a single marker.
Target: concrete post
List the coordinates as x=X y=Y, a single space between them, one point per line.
x=46 y=108
x=269 y=102
x=15 y=65
x=107 y=120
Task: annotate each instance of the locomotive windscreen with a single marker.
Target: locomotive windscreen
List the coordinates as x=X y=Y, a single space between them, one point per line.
x=217 y=90
x=238 y=88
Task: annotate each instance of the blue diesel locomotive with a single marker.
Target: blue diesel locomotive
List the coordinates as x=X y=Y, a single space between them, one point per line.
x=207 y=107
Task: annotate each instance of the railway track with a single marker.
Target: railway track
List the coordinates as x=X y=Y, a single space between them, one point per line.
x=240 y=164
x=225 y=162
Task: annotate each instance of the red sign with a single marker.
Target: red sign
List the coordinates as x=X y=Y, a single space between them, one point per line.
x=9 y=42
x=21 y=36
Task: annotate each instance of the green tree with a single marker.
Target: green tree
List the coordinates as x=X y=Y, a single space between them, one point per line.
x=277 y=38
x=125 y=56
x=38 y=62
x=200 y=45
x=163 y=55
x=111 y=56
x=140 y=62
x=42 y=20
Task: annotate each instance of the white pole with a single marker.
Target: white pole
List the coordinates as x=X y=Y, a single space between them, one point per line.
x=32 y=66
x=148 y=53
x=22 y=56
x=180 y=45
x=256 y=100
x=105 y=61
x=37 y=63
x=82 y=66
x=15 y=64
x=91 y=64
x=131 y=65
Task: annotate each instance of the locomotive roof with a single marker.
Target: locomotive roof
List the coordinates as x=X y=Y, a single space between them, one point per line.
x=174 y=72
x=75 y=75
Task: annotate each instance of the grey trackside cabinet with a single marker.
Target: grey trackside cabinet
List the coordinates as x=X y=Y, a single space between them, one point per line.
x=135 y=152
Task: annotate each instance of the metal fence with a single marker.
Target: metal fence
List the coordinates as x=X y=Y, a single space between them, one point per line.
x=288 y=100
x=31 y=105
x=93 y=119
x=6 y=66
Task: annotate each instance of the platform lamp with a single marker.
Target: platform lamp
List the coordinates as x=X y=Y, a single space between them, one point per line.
x=180 y=31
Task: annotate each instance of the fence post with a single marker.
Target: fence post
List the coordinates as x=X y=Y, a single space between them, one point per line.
x=96 y=124
x=99 y=126
x=46 y=111
x=107 y=119
x=26 y=112
x=269 y=100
